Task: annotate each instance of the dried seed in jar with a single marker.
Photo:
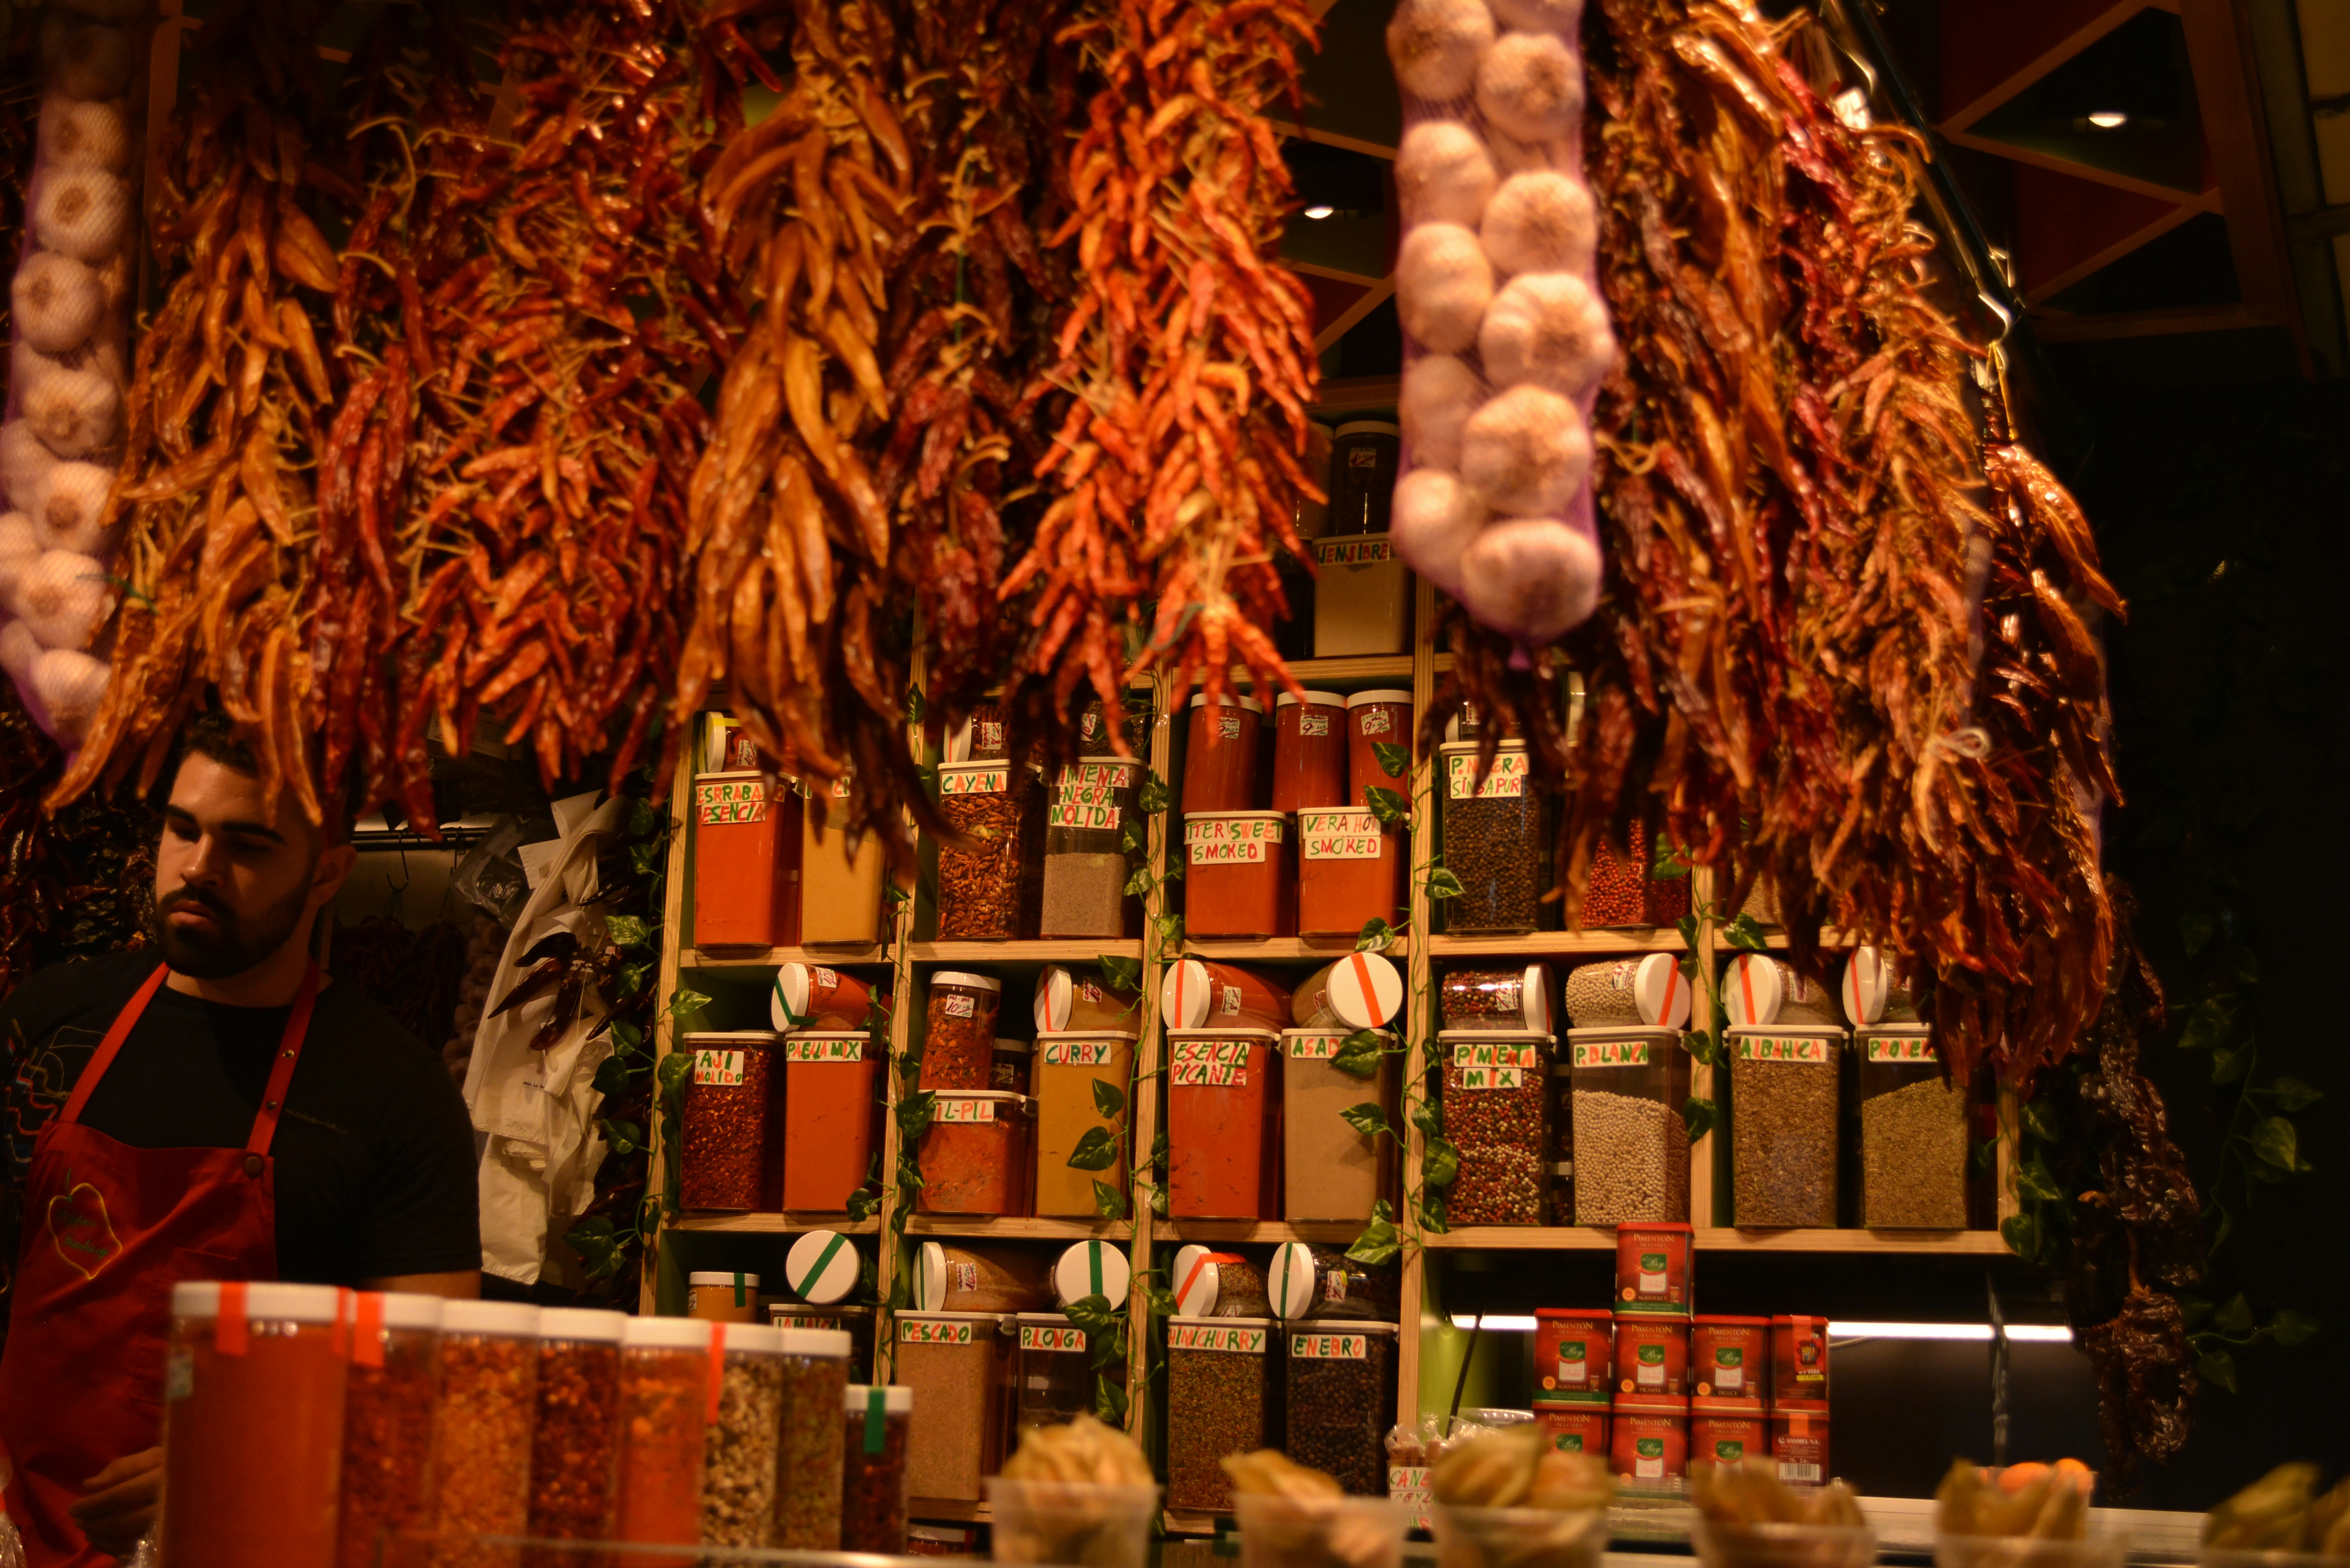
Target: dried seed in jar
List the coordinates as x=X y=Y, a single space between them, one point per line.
x=739 y=1456
x=809 y=1452
x=1632 y=1160
x=1215 y=1405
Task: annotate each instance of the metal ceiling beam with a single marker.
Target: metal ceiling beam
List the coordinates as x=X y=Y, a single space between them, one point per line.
x=2235 y=131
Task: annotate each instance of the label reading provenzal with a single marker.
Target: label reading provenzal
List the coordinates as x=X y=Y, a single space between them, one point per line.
x=1077 y=1053
x=725 y=802
x=844 y=1048
x=1506 y=782
x=1330 y=1346
x=1222 y=841
x=976 y=781
x=962 y=1111
x=1490 y=1065
x=1039 y=1336
x=1773 y=1048
x=1210 y=1063
x=1212 y=1337
x=919 y=1330
x=1902 y=1048
x=1315 y=1047
x=1611 y=1053
x=1338 y=835
x=719 y=1069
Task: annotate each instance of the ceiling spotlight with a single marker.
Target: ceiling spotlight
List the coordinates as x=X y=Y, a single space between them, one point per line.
x=2109 y=120
x=1318 y=214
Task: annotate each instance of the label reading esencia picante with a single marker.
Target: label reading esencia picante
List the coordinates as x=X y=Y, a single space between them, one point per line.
x=1210 y=1063
x=1337 y=836
x=719 y=1069
x=962 y=1111
x=1611 y=1053
x=1902 y=1048
x=1220 y=841
x=1036 y=1336
x=1486 y=1066
x=1211 y=1337
x=921 y=1331
x=1077 y=1053
x=1507 y=781
x=975 y=781
x=848 y=1048
x=1781 y=1048
x=722 y=803
x=1330 y=1346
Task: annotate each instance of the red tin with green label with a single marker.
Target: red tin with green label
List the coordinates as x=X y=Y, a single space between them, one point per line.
x=1649 y=1438
x=1799 y=1441
x=1575 y=1352
x=1654 y=1264
x=1799 y=1362
x=1575 y=1423
x=1651 y=1356
x=1727 y=1431
x=1730 y=1358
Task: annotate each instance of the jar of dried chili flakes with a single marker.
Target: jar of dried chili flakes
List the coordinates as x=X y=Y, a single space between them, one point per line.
x=575 y=1453
x=873 y=1480
x=393 y=1389
x=668 y=1393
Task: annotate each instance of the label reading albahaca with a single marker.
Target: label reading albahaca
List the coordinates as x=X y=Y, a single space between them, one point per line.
x=1338 y=835
x=1611 y=1053
x=719 y=1069
x=724 y=802
x=962 y=1111
x=919 y=1330
x=823 y=1048
x=1036 y=1336
x=1211 y=1337
x=975 y=781
x=1781 y=1048
x=1330 y=1346
x=1077 y=1053
x=1221 y=841
x=1482 y=1065
x=1507 y=781
x=1902 y=1048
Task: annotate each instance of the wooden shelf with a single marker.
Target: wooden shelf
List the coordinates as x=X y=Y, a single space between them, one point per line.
x=1325 y=672
x=1287 y=949
x=1340 y=1231
x=946 y=1511
x=835 y=955
x=1079 y=949
x=1555 y=944
x=776 y=1224
x=1587 y=1238
x=1192 y=1521
x=1019 y=1230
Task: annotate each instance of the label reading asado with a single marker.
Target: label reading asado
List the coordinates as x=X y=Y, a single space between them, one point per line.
x=1776 y=1048
x=1315 y=1047
x=1506 y=782
x=1338 y=835
x=918 y=1330
x=1077 y=1053
x=1611 y=1053
x=719 y=1069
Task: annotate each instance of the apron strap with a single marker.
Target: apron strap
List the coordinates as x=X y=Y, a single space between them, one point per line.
x=110 y=1047
x=281 y=1072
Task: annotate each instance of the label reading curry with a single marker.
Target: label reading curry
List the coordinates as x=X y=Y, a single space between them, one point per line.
x=1077 y=1053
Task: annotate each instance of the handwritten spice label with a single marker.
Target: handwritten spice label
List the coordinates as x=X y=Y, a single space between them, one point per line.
x=957 y=1006
x=923 y=1331
x=1077 y=1053
x=1313 y=722
x=1223 y=841
x=1355 y=550
x=1611 y=1053
x=1037 y=1337
x=1211 y=1337
x=1487 y=1066
x=1210 y=1063
x=975 y=781
x=1230 y=1002
x=724 y=802
x=1330 y=1346
x=1375 y=720
x=1315 y=1047
x=947 y=1110
x=1771 y=1048
x=1902 y=1048
x=719 y=1069
x=1097 y=775
x=1507 y=781
x=1338 y=835
x=824 y=1048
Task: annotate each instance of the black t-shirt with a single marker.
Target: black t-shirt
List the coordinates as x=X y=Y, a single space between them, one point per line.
x=374 y=1152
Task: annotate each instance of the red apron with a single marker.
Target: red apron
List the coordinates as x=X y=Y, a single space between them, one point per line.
x=109 y=1230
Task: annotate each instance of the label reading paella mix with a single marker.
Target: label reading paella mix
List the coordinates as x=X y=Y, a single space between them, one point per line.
x=824 y=1048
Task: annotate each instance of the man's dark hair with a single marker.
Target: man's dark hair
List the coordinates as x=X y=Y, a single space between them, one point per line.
x=212 y=734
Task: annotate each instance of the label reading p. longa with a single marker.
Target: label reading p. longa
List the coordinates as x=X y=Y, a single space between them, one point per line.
x=1221 y=841
x=1337 y=836
x=724 y=802
x=918 y=1330
x=1077 y=1053
x=962 y=1111
x=1483 y=1065
x=977 y=781
x=1902 y=1048
x=1210 y=1063
x=1611 y=1053
x=718 y=1069
x=1330 y=1346
x=1037 y=1337
x=1775 y=1048
x=820 y=1049
x=1507 y=781
x=1211 y=1337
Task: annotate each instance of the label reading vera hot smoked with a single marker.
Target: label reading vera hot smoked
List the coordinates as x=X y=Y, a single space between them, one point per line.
x=1223 y=841
x=1774 y=1048
x=1611 y=1053
x=724 y=802
x=1330 y=1346
x=1337 y=836
x=1210 y=1337
x=1035 y=1337
x=1210 y=1063
x=1315 y=1047
x=976 y=781
x=917 y=1331
x=1485 y=1065
x=1077 y=1053
x=1506 y=781
x=851 y=1049
x=962 y=1111
x=719 y=1069
x=1898 y=1048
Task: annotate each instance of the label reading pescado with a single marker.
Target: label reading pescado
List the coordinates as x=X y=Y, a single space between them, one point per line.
x=1506 y=782
x=719 y=1069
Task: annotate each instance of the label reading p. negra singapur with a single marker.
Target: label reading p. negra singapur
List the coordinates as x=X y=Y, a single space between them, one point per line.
x=1507 y=781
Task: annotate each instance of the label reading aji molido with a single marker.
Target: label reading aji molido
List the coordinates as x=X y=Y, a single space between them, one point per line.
x=1226 y=840
x=1330 y=1346
x=1777 y=1048
x=1212 y=1337
x=1506 y=781
x=718 y=1069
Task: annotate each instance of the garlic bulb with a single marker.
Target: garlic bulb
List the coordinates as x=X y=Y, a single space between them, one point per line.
x=57 y=302
x=1435 y=45
x=84 y=134
x=18 y=550
x=85 y=59
x=1435 y=519
x=100 y=355
x=62 y=596
x=25 y=465
x=19 y=652
x=1548 y=327
x=1536 y=578
x=1529 y=87
x=1540 y=222
x=1443 y=284
x=1441 y=173
x=1563 y=17
x=82 y=212
x=1527 y=452
x=70 y=685
x=72 y=502
x=1439 y=393
x=73 y=412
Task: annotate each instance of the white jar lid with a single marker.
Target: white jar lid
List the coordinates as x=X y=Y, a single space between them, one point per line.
x=750 y=1339
x=667 y=1334
x=787 y=1001
x=1385 y=694
x=1660 y=991
x=830 y=1343
x=972 y=981
x=700 y=1277
x=1200 y=699
x=1365 y=990
x=1752 y=989
x=406 y=1309
x=1092 y=1268
x=1291 y=1279
x=489 y=1317
x=266 y=1300
x=1868 y=980
x=821 y=1268
x=896 y=1399
x=1196 y=1279
x=1056 y=996
x=1319 y=699
x=1184 y=994
x=930 y=1283
x=582 y=1322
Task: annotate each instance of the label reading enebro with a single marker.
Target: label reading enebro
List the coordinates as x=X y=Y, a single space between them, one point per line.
x=1330 y=1346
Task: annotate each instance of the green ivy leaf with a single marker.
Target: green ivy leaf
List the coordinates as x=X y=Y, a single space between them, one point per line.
x=1375 y=935
x=1433 y=1215
x=2021 y=1234
x=2217 y=1366
x=645 y=859
x=1442 y=884
x=1108 y=1098
x=1697 y=1116
x=1441 y=1165
x=1386 y=805
x=643 y=820
x=1094 y=1314
x=916 y=704
x=1368 y=1119
x=1666 y=863
x=2248 y=967
x=2292 y=1094
x=675 y=1072
x=1109 y=1399
x=1174 y=872
x=2034 y=1180
x=625 y=1138
x=2208 y=1023
x=2230 y=1062
x=612 y=1076
x=1134 y=839
x=1158 y=1202
x=1379 y=1243
x=1171 y=931
x=1139 y=882
x=628 y=932
x=2195 y=929
x=2041 y=1120
x=2278 y=1143
x=2289 y=1328
x=683 y=1000
x=1984 y=1155
x=2192 y=1309
x=1358 y=1054
x=1160 y=1300
x=1428 y=1116
x=1746 y=933
x=630 y=980
x=629 y=1038
x=1098 y=1150
x=1394 y=760
x=1108 y=1201
x=1155 y=794
x=1121 y=974
x=914 y=1113
x=865 y=1201
x=2234 y=1317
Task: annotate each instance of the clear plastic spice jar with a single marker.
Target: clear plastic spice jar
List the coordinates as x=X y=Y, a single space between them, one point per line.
x=1913 y=1132
x=1783 y=1084
x=1498 y=999
x=874 y=1496
x=840 y=891
x=1220 y=754
x=715 y=1295
x=392 y=1390
x=856 y=1322
x=1333 y=1170
x=746 y=860
x=1631 y=1147
x=1086 y=867
x=727 y=1161
x=958 y=1030
x=987 y=883
x=1238 y=881
x=973 y=1277
x=1497 y=1115
x=1349 y=872
x=832 y=1089
x=1650 y=1437
x=1309 y=752
x=252 y=1425
x=1055 y=1375
x=814 y=1365
x=1375 y=719
x=1199 y=993
x=1364 y=456
x=1219 y=1377
x=1494 y=840
x=1361 y=990
x=574 y=1452
x=1362 y=597
x=1309 y=1281
x=1341 y=1401
x=1575 y=1351
x=958 y=1365
x=1068 y=1068
x=1209 y=1283
x=1223 y=1124
x=741 y=1452
x=974 y=1155
x=481 y=1465
x=1079 y=1001
x=1009 y=1066
x=668 y=1395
